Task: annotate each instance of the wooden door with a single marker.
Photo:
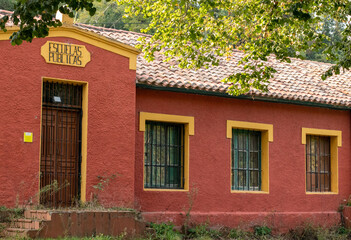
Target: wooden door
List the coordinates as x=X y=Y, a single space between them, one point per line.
x=60 y=155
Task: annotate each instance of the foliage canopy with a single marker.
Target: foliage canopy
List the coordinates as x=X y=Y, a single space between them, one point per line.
x=200 y=33
x=7 y=4
x=110 y=15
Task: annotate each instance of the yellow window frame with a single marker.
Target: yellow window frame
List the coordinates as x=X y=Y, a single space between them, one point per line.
x=335 y=142
x=266 y=137
x=189 y=130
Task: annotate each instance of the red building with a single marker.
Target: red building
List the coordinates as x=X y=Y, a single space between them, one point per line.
x=81 y=106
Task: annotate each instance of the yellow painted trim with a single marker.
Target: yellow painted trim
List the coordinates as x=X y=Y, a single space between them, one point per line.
x=189 y=130
x=145 y=116
x=84 y=136
x=254 y=192
x=87 y=37
x=164 y=190
x=321 y=193
x=334 y=178
x=41 y=123
x=321 y=132
x=84 y=146
x=67 y=20
x=266 y=137
x=251 y=126
x=61 y=80
x=335 y=142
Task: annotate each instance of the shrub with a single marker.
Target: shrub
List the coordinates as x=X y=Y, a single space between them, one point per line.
x=165 y=231
x=236 y=234
x=262 y=230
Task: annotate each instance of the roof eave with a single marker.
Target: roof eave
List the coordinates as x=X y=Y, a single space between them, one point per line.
x=246 y=97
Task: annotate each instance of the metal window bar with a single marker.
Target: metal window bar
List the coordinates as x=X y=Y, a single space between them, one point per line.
x=164 y=155
x=61 y=143
x=318 y=164
x=246 y=160
x=70 y=95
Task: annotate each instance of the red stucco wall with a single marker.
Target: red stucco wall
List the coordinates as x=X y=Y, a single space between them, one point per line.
x=286 y=204
x=112 y=128
x=111 y=119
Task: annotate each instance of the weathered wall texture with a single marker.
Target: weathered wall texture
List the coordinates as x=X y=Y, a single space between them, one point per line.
x=286 y=205
x=111 y=119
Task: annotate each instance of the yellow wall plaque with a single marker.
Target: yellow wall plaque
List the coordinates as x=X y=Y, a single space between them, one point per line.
x=65 y=54
x=28 y=137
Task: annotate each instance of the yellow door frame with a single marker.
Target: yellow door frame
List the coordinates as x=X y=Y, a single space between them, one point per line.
x=84 y=130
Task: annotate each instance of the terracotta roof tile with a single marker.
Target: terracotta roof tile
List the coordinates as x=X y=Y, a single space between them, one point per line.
x=8 y=13
x=296 y=81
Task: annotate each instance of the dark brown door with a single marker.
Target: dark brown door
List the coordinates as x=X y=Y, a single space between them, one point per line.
x=60 y=150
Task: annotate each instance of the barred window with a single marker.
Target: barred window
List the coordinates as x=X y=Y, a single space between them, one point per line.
x=164 y=155
x=246 y=160
x=318 y=163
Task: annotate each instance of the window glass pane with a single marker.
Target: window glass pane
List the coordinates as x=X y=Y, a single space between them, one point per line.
x=162 y=176
x=147 y=175
x=309 y=181
x=327 y=146
x=147 y=145
x=254 y=141
x=174 y=175
x=254 y=160
x=242 y=179
x=173 y=155
x=326 y=182
x=254 y=179
x=308 y=163
x=158 y=176
x=324 y=164
x=313 y=163
x=163 y=146
x=242 y=140
x=242 y=159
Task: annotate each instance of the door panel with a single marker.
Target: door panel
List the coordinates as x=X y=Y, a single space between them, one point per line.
x=48 y=155
x=67 y=155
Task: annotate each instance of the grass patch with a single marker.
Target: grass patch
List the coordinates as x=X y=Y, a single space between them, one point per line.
x=204 y=232
x=165 y=231
x=308 y=232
